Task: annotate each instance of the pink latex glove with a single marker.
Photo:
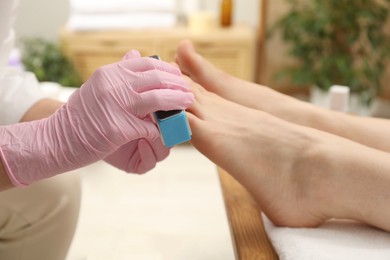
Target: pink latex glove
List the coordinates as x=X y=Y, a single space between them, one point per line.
x=141 y=155
x=107 y=112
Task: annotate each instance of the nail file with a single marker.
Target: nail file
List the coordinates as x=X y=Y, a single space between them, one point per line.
x=173 y=125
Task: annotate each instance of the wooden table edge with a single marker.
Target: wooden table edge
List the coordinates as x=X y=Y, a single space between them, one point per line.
x=250 y=240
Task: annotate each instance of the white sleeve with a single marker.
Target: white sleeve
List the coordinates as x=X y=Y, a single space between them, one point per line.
x=7 y=36
x=18 y=90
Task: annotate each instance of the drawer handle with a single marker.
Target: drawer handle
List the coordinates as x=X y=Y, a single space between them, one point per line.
x=203 y=44
x=108 y=43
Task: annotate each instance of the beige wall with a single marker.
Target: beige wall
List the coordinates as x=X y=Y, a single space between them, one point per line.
x=44 y=17
x=41 y=18
x=246 y=11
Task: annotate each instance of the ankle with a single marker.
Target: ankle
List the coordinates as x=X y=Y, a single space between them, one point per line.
x=312 y=181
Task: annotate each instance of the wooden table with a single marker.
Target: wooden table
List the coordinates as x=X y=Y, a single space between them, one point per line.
x=247 y=229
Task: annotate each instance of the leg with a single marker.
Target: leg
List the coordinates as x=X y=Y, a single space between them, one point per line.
x=38 y=222
x=299 y=176
x=368 y=131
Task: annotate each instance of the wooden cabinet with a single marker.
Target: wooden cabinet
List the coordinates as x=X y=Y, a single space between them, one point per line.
x=232 y=49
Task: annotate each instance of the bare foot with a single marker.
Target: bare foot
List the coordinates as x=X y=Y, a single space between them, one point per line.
x=240 y=91
x=298 y=175
x=225 y=85
x=265 y=154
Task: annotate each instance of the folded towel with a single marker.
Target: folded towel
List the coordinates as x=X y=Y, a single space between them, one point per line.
x=335 y=239
x=121 y=6
x=96 y=22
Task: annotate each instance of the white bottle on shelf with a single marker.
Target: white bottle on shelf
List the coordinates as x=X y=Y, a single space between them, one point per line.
x=339 y=98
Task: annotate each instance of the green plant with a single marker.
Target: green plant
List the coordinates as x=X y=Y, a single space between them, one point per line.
x=337 y=42
x=46 y=60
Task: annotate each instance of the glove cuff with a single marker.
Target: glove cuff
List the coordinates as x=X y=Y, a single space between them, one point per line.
x=7 y=168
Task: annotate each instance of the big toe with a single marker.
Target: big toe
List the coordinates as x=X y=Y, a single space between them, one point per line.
x=195 y=66
x=187 y=58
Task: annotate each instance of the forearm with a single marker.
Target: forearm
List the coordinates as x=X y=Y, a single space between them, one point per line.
x=41 y=109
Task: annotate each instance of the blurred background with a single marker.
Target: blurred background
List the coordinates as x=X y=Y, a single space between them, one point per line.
x=46 y=24
x=93 y=33
x=298 y=47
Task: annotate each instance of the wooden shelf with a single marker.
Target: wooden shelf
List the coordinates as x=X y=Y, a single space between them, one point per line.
x=231 y=49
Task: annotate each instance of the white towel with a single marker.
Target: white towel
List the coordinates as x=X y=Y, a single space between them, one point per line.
x=97 y=22
x=335 y=239
x=121 y=6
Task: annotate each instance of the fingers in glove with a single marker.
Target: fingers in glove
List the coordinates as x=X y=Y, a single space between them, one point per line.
x=155 y=79
x=162 y=99
x=147 y=159
x=144 y=128
x=151 y=152
x=132 y=54
x=143 y=64
x=160 y=150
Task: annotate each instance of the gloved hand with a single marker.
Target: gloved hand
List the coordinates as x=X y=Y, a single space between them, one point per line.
x=107 y=112
x=141 y=155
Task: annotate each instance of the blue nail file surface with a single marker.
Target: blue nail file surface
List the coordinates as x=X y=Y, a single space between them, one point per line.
x=173 y=125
